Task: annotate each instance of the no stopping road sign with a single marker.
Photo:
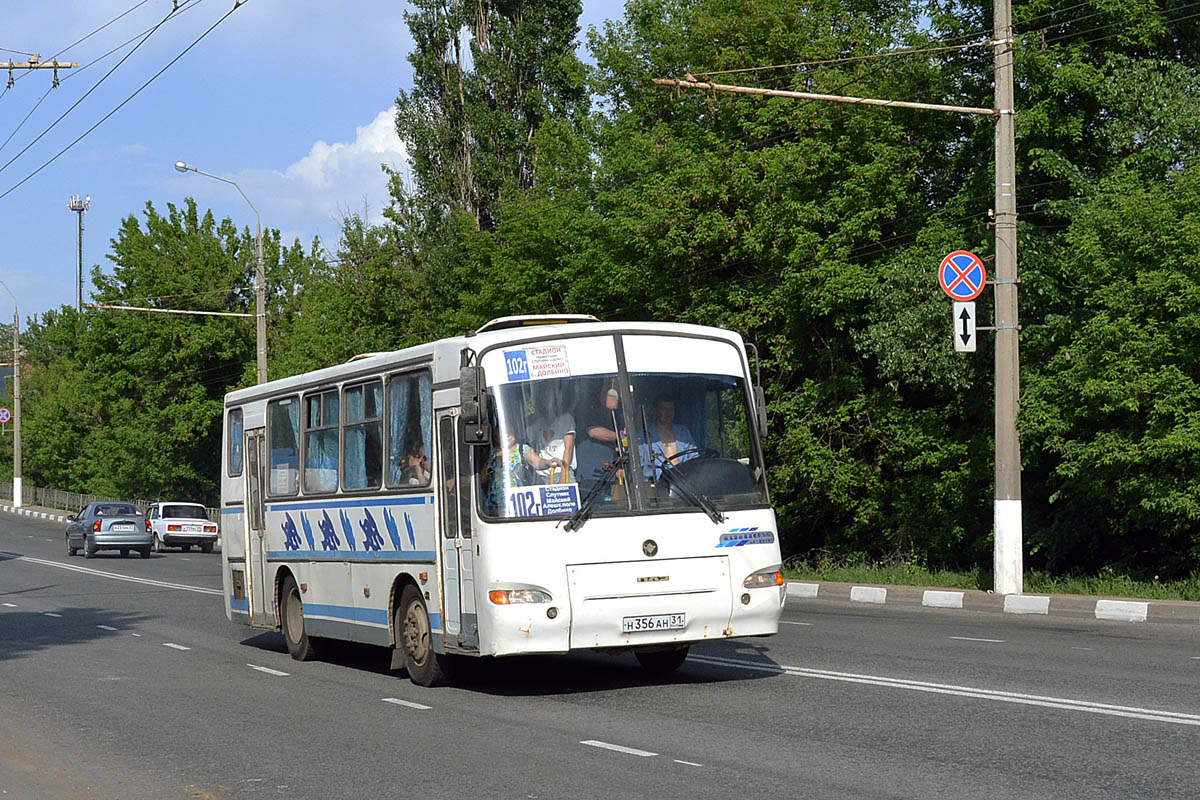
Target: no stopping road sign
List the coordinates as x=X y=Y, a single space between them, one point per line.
x=962 y=275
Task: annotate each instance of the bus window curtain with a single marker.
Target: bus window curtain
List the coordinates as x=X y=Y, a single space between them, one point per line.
x=397 y=430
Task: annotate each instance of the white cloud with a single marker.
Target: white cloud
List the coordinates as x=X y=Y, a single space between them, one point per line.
x=310 y=196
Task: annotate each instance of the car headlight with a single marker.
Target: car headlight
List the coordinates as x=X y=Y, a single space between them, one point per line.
x=771 y=576
x=504 y=597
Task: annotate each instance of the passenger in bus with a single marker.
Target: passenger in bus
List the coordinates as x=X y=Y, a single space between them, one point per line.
x=416 y=467
x=553 y=435
x=670 y=442
x=511 y=465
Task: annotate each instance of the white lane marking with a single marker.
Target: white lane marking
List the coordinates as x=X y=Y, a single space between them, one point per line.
x=106 y=627
x=11 y=605
x=973 y=639
x=51 y=614
x=1062 y=703
x=1082 y=648
x=618 y=748
x=1195 y=658
x=136 y=634
x=268 y=670
x=174 y=646
x=406 y=703
x=785 y=622
x=113 y=575
x=689 y=763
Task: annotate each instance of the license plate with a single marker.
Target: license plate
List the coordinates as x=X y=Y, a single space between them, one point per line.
x=656 y=622
x=122 y=526
x=193 y=528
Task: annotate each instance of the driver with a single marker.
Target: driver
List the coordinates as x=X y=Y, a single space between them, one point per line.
x=670 y=442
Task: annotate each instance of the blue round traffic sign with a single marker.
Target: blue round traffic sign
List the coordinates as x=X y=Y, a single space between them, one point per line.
x=962 y=275
x=5 y=415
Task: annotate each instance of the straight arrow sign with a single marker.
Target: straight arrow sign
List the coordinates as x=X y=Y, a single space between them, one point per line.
x=964 y=327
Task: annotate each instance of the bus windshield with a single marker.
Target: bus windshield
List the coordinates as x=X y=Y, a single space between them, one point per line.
x=671 y=431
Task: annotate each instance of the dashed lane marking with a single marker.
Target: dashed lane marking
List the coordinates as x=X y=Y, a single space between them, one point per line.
x=689 y=763
x=174 y=646
x=629 y=751
x=1082 y=648
x=52 y=614
x=406 y=703
x=11 y=605
x=786 y=622
x=973 y=639
x=106 y=627
x=268 y=670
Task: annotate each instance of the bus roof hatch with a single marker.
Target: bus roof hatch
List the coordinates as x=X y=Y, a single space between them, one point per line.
x=529 y=320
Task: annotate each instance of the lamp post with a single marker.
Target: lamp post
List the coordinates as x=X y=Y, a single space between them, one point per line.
x=260 y=315
x=17 y=492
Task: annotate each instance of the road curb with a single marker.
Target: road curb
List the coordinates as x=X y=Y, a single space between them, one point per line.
x=1077 y=606
x=36 y=513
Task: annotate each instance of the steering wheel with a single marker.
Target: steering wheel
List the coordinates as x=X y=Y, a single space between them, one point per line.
x=673 y=461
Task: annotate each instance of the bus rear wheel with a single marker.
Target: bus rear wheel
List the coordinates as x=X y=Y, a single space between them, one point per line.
x=414 y=636
x=660 y=662
x=291 y=614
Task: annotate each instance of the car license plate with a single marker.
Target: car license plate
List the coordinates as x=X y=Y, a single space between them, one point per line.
x=122 y=526
x=191 y=528
x=655 y=622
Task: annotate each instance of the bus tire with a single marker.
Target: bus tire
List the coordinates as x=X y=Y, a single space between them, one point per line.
x=415 y=638
x=660 y=662
x=291 y=617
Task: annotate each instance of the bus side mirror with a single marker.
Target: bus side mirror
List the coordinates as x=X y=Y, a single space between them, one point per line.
x=473 y=419
x=760 y=407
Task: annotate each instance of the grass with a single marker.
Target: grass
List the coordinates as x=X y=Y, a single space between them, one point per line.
x=1108 y=583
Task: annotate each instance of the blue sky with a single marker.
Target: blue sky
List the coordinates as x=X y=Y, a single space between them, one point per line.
x=290 y=98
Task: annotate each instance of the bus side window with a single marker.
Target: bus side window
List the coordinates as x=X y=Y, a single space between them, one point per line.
x=363 y=441
x=235 y=442
x=283 y=432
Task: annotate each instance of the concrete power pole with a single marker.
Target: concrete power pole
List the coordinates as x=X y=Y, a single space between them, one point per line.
x=1008 y=552
x=1008 y=549
x=18 y=489
x=79 y=206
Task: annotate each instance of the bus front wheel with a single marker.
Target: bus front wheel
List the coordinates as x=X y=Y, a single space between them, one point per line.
x=414 y=636
x=291 y=613
x=659 y=662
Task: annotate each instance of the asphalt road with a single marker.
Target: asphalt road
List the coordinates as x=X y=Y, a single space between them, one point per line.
x=121 y=678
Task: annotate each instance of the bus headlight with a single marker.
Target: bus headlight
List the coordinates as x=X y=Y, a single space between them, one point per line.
x=771 y=576
x=504 y=597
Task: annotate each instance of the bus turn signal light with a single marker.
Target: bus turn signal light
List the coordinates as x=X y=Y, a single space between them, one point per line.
x=767 y=577
x=504 y=597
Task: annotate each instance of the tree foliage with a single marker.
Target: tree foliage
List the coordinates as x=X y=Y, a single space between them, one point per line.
x=814 y=229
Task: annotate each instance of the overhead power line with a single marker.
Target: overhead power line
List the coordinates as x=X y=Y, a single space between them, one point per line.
x=238 y=4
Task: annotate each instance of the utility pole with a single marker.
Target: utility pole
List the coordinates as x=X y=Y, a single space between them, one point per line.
x=1008 y=549
x=18 y=493
x=79 y=206
x=35 y=62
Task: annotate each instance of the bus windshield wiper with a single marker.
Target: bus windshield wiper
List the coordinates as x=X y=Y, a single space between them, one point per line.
x=690 y=492
x=585 y=507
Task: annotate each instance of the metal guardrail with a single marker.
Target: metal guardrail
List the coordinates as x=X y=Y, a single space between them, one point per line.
x=74 y=501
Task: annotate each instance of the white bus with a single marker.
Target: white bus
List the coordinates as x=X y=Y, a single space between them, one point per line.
x=434 y=501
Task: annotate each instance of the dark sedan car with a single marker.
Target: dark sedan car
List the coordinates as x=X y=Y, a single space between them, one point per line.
x=109 y=526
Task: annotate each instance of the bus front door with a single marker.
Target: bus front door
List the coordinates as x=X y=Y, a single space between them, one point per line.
x=460 y=630
x=262 y=613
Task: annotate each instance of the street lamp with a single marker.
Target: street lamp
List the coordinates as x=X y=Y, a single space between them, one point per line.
x=260 y=315
x=17 y=492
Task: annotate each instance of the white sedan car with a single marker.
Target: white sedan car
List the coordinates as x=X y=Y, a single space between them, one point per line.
x=181 y=525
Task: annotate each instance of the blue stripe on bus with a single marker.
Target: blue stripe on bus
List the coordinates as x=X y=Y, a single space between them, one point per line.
x=240 y=605
x=372 y=616
x=233 y=510
x=298 y=505
x=355 y=555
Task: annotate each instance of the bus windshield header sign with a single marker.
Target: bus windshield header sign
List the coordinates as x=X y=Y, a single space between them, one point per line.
x=537 y=363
